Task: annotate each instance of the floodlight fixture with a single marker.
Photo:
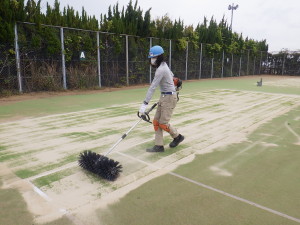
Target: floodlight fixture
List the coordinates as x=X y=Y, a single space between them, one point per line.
x=232 y=7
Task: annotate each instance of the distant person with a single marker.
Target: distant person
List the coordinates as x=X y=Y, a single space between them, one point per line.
x=167 y=101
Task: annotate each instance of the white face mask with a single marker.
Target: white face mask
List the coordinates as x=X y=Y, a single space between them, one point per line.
x=153 y=61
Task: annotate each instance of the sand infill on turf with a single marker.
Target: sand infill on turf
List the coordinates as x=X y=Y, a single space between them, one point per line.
x=224 y=117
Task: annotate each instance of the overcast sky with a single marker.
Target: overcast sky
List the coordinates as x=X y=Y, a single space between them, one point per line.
x=277 y=21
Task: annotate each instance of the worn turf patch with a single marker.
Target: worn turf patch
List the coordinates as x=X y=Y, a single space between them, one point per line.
x=49 y=179
x=5 y=156
x=2 y=147
x=88 y=136
x=29 y=172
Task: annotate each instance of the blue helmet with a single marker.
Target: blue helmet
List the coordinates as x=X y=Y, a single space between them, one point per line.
x=155 y=51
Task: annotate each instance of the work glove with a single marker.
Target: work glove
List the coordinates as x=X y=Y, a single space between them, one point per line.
x=143 y=108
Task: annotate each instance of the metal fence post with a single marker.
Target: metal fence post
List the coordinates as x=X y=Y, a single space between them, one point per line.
x=267 y=61
x=231 y=73
x=223 y=55
x=127 y=66
x=186 y=59
x=200 y=66
x=63 y=57
x=212 y=68
x=18 y=64
x=240 y=67
x=254 y=65
x=170 y=55
x=260 y=62
x=283 y=62
x=150 y=67
x=248 y=62
x=99 y=59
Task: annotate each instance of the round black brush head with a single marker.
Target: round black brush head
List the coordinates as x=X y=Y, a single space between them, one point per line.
x=87 y=160
x=107 y=168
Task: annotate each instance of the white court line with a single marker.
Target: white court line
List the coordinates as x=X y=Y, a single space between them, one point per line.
x=292 y=131
x=219 y=191
x=139 y=160
x=67 y=166
x=237 y=198
x=40 y=192
x=217 y=167
x=62 y=210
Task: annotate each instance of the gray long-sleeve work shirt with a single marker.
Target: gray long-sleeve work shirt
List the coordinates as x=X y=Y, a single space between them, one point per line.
x=164 y=78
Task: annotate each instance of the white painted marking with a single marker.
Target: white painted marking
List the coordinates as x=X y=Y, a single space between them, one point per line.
x=220 y=191
x=222 y=172
x=217 y=167
x=41 y=193
x=237 y=198
x=67 y=166
x=292 y=131
x=139 y=160
x=62 y=210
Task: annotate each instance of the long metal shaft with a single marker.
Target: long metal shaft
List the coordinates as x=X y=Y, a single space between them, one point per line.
x=123 y=136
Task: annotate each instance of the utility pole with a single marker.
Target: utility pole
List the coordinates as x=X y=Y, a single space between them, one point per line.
x=232 y=7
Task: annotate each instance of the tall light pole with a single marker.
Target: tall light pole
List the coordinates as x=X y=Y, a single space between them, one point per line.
x=232 y=7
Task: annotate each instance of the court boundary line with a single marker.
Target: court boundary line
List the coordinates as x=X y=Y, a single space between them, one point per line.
x=218 y=190
x=236 y=198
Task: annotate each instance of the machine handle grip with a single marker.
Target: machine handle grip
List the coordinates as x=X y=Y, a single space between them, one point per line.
x=146 y=116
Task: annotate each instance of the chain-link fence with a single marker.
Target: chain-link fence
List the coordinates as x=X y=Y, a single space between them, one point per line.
x=39 y=57
x=8 y=78
x=50 y=58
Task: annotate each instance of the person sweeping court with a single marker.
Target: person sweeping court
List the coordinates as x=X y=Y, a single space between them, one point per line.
x=167 y=102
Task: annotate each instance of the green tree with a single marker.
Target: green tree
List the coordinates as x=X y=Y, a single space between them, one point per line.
x=130 y=20
x=7 y=21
